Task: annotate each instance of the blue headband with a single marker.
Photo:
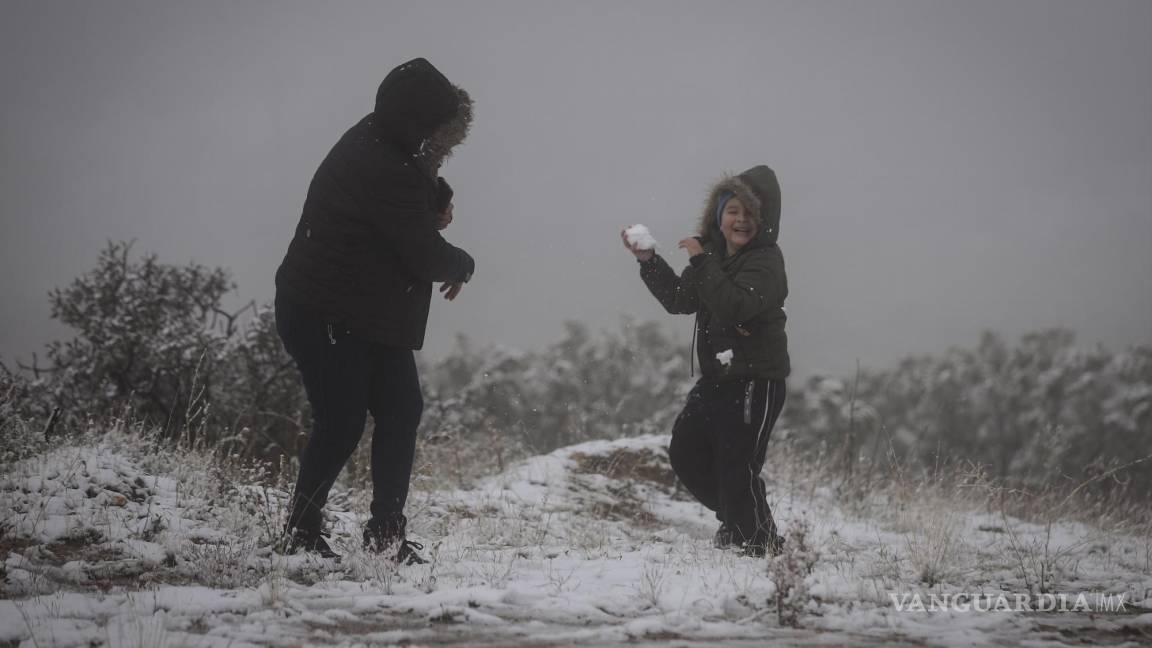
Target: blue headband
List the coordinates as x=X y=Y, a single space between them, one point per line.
x=725 y=196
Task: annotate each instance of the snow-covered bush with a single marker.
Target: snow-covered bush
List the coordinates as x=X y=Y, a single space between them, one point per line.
x=262 y=405
x=148 y=335
x=154 y=344
x=790 y=570
x=1042 y=414
x=24 y=425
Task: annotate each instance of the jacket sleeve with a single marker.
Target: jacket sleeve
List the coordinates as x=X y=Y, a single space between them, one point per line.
x=676 y=294
x=410 y=229
x=753 y=290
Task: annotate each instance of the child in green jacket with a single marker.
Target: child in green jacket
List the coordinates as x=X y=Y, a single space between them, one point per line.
x=735 y=285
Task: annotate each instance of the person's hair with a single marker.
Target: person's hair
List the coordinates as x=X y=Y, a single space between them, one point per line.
x=733 y=187
x=438 y=146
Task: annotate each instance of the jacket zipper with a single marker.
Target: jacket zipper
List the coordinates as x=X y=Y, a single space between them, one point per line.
x=331 y=337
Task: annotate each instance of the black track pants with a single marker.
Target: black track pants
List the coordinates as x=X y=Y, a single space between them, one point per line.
x=718 y=447
x=345 y=378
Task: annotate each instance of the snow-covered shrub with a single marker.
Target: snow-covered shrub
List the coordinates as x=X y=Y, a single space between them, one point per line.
x=154 y=345
x=23 y=426
x=263 y=408
x=148 y=335
x=1042 y=414
x=790 y=570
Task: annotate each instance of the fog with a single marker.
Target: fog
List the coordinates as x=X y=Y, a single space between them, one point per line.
x=946 y=167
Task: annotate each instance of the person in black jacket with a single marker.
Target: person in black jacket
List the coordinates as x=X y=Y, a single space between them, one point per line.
x=735 y=285
x=353 y=293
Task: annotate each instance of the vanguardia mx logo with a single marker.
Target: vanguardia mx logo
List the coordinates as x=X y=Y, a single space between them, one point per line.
x=964 y=602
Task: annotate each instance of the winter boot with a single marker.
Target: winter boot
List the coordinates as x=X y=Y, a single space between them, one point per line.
x=383 y=535
x=310 y=541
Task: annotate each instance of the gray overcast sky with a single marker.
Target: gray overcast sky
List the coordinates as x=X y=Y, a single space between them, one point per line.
x=947 y=167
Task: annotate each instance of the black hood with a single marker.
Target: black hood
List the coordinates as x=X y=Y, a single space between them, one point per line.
x=415 y=100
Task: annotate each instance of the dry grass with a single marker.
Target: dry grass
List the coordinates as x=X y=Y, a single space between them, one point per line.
x=629 y=471
x=628 y=464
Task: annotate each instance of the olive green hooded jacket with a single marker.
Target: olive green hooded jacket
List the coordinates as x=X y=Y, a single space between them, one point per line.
x=738 y=300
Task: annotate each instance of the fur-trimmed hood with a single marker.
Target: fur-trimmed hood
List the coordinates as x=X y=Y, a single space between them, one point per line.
x=759 y=190
x=420 y=109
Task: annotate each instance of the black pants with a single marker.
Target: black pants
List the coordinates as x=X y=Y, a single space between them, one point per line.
x=718 y=447
x=345 y=377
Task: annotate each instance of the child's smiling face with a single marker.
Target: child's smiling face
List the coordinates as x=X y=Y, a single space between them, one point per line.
x=737 y=224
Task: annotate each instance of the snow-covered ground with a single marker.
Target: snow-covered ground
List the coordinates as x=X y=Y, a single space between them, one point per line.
x=111 y=543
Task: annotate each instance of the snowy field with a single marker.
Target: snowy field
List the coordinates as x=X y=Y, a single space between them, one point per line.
x=111 y=544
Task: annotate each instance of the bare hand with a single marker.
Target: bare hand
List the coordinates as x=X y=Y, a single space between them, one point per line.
x=451 y=289
x=643 y=255
x=691 y=245
x=443 y=219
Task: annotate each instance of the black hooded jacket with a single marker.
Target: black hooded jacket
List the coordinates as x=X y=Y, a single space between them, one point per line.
x=738 y=300
x=366 y=250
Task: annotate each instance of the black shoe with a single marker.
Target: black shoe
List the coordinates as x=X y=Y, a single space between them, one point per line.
x=724 y=538
x=309 y=541
x=382 y=535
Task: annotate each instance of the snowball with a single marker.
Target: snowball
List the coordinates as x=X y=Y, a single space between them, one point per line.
x=639 y=237
x=725 y=357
